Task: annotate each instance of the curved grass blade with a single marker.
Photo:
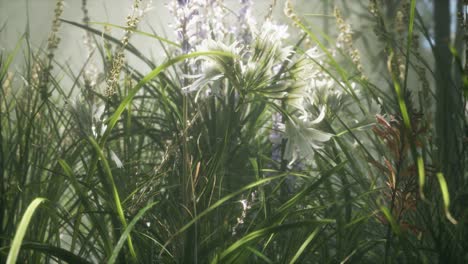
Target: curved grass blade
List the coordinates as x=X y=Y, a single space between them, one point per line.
x=445 y=197
x=128 y=47
x=126 y=233
x=260 y=255
x=57 y=252
x=267 y=231
x=113 y=188
x=146 y=34
x=21 y=231
x=304 y=245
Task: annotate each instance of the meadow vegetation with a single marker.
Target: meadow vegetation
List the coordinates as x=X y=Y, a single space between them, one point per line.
x=252 y=142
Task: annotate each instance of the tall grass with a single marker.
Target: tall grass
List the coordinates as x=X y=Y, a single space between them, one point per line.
x=247 y=147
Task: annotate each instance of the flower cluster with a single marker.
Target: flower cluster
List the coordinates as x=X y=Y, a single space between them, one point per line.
x=197 y=20
x=246 y=205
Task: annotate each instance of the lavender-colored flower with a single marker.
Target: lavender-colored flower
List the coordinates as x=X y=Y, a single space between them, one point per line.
x=197 y=20
x=246 y=23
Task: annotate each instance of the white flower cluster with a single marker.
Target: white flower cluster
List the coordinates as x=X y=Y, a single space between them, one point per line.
x=246 y=205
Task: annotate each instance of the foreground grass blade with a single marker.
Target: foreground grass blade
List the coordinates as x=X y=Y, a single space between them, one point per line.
x=268 y=231
x=115 y=192
x=57 y=252
x=21 y=231
x=304 y=245
x=126 y=233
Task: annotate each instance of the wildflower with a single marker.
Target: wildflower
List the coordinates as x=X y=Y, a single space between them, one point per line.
x=246 y=22
x=304 y=137
x=197 y=20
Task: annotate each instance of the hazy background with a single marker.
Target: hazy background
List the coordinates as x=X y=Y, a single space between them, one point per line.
x=17 y=15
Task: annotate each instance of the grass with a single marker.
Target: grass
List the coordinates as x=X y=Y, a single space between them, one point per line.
x=171 y=169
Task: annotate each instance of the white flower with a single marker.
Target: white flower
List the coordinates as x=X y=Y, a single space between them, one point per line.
x=303 y=137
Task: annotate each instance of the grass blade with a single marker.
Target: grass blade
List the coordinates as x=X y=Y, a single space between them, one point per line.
x=445 y=197
x=21 y=231
x=304 y=245
x=57 y=252
x=126 y=233
x=113 y=188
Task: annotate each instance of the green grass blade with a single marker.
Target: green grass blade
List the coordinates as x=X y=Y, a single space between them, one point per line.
x=390 y=219
x=115 y=192
x=126 y=233
x=400 y=97
x=146 y=34
x=445 y=197
x=422 y=176
x=410 y=39
x=57 y=252
x=304 y=245
x=10 y=58
x=21 y=231
x=267 y=231
x=260 y=255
